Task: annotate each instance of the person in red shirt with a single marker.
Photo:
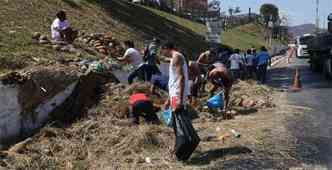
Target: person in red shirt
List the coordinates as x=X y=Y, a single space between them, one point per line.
x=141 y=105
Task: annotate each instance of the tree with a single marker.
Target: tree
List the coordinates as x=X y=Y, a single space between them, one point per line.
x=231 y=11
x=270 y=12
x=214 y=5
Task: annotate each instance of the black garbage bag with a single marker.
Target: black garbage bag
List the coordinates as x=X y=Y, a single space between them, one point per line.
x=186 y=137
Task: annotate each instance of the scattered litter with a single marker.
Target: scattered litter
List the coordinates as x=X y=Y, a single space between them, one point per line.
x=235 y=133
x=148 y=160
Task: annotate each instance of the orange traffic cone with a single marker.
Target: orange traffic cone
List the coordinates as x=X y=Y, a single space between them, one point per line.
x=297 y=86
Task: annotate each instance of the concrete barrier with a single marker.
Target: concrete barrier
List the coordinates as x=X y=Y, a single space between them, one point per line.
x=28 y=100
x=14 y=122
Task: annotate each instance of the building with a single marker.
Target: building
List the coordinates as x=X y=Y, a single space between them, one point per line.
x=192 y=5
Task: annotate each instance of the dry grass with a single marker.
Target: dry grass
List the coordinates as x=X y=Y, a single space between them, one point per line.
x=105 y=140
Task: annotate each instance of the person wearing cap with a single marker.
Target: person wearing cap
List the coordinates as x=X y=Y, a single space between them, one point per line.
x=220 y=78
x=61 y=30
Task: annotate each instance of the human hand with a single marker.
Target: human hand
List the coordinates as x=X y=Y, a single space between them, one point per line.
x=179 y=107
x=166 y=104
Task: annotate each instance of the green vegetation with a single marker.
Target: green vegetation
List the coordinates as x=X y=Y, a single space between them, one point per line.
x=194 y=26
x=20 y=19
x=244 y=37
x=268 y=10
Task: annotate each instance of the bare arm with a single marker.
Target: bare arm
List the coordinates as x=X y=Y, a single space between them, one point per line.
x=123 y=58
x=227 y=94
x=201 y=58
x=178 y=61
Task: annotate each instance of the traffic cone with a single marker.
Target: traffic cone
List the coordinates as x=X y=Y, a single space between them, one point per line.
x=297 y=86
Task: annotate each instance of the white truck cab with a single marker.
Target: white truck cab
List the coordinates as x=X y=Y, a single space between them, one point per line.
x=301 y=45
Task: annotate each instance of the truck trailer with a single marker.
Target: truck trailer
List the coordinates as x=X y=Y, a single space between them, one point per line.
x=320 y=51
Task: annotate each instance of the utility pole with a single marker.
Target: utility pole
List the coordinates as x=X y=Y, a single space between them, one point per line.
x=317 y=16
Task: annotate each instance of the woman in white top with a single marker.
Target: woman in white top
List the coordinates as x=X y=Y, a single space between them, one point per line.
x=178 y=85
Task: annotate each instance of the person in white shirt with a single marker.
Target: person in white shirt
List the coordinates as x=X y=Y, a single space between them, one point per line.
x=178 y=84
x=133 y=56
x=236 y=64
x=251 y=66
x=61 y=30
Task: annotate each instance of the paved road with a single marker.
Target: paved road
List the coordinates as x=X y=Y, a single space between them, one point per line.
x=314 y=128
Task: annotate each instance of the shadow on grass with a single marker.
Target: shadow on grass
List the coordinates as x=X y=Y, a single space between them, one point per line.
x=206 y=157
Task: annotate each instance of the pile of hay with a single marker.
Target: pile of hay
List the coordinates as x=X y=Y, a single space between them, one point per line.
x=103 y=139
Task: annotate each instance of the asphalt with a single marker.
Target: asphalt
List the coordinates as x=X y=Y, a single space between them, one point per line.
x=313 y=130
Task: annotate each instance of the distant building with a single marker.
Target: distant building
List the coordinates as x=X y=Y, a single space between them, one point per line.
x=192 y=5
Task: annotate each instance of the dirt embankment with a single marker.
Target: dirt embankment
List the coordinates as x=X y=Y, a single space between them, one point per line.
x=40 y=94
x=105 y=138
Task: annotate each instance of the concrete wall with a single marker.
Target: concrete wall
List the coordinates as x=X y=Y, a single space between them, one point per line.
x=14 y=122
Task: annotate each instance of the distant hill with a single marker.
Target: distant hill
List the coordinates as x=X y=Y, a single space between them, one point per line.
x=302 y=29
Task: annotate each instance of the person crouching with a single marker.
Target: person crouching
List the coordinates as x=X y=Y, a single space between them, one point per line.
x=141 y=105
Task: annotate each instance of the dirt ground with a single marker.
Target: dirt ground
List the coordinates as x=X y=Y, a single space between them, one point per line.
x=105 y=139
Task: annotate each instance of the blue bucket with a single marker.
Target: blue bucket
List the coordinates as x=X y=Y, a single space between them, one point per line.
x=216 y=101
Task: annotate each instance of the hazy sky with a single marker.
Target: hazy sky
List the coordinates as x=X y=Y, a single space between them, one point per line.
x=299 y=11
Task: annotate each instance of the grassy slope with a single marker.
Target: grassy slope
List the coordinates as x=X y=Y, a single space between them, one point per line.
x=194 y=26
x=244 y=37
x=126 y=21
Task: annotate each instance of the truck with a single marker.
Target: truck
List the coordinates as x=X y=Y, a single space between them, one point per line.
x=302 y=45
x=320 y=51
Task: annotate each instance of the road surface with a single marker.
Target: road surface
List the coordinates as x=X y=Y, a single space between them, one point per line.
x=313 y=129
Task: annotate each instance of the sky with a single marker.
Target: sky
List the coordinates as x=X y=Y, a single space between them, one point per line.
x=298 y=11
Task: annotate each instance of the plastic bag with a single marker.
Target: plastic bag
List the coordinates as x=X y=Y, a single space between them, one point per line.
x=216 y=101
x=167 y=116
x=186 y=140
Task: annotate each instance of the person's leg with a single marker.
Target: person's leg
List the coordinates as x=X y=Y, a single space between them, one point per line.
x=259 y=73
x=136 y=110
x=152 y=70
x=237 y=74
x=136 y=73
x=132 y=76
x=254 y=72
x=264 y=71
